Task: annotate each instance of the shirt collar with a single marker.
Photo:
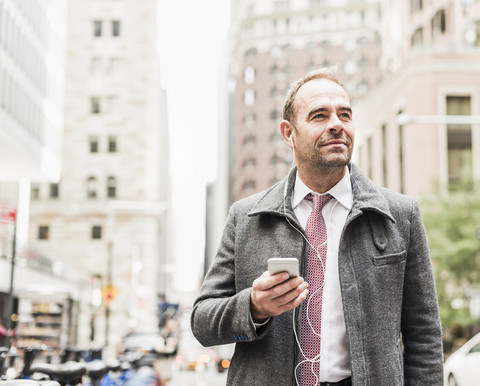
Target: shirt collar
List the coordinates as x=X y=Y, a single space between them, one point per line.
x=342 y=191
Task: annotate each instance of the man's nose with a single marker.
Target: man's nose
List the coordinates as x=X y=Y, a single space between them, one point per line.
x=334 y=124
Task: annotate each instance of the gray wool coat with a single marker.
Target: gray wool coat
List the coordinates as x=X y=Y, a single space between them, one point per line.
x=386 y=279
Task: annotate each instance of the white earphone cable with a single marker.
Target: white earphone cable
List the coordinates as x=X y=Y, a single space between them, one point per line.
x=316 y=359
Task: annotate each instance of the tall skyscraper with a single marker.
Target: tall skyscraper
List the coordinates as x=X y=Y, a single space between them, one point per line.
x=107 y=213
x=32 y=52
x=32 y=68
x=274 y=43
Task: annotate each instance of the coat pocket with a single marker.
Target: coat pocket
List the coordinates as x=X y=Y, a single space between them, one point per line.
x=390 y=259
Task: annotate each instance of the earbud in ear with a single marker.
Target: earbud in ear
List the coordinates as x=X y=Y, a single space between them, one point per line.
x=291 y=141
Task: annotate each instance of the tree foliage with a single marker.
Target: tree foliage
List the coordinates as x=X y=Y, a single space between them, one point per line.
x=452 y=222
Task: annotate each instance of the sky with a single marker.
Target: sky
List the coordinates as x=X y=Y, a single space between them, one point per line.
x=192 y=35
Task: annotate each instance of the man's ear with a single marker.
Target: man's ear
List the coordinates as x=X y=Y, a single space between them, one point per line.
x=286 y=128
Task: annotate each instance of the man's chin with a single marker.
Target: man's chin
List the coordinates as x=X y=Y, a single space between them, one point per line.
x=335 y=162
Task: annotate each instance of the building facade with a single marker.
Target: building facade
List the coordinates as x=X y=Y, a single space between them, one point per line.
x=107 y=214
x=276 y=42
x=32 y=71
x=419 y=130
x=32 y=53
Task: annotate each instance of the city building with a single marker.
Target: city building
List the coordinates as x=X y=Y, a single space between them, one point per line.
x=218 y=191
x=276 y=42
x=107 y=214
x=32 y=69
x=32 y=44
x=418 y=131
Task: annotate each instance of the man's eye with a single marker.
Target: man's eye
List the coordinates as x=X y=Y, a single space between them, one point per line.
x=319 y=116
x=345 y=116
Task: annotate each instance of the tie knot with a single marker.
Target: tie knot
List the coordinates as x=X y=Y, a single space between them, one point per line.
x=319 y=201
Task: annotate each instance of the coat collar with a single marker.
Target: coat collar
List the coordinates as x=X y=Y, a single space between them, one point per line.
x=366 y=196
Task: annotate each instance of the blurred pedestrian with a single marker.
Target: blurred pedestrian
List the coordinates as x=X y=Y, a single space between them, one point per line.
x=364 y=310
x=3 y=334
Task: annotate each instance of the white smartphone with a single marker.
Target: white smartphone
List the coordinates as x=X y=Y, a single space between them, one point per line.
x=283 y=264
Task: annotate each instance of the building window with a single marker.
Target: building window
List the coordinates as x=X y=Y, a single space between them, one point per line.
x=93 y=141
x=459 y=142
x=95 y=65
x=276 y=137
x=350 y=66
x=112 y=104
x=417 y=38
x=416 y=5
x=95 y=105
x=43 y=232
x=363 y=87
x=363 y=62
x=249 y=119
x=96 y=232
x=92 y=187
x=111 y=187
x=249 y=75
x=274 y=70
x=112 y=144
x=115 y=27
x=35 y=192
x=275 y=159
x=249 y=97
x=114 y=65
x=288 y=69
x=249 y=139
x=362 y=40
x=54 y=191
x=276 y=92
x=439 y=26
x=249 y=163
x=274 y=114
x=97 y=28
x=249 y=185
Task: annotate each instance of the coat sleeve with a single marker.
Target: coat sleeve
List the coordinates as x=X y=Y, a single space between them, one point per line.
x=221 y=315
x=421 y=328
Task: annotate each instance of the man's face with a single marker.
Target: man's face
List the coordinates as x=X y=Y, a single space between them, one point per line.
x=324 y=131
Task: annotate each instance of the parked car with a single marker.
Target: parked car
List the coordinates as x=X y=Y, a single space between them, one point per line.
x=462 y=368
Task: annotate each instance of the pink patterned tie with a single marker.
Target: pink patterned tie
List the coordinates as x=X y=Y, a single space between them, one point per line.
x=309 y=358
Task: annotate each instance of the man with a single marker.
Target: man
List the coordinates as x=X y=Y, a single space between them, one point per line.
x=369 y=313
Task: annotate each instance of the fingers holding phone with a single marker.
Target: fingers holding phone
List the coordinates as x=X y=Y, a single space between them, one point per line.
x=278 y=290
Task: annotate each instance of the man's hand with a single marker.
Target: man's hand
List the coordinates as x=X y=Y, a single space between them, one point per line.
x=273 y=295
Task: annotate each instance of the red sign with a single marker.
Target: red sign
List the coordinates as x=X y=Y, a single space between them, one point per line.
x=7 y=214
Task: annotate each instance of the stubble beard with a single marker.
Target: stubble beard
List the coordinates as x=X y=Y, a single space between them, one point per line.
x=324 y=162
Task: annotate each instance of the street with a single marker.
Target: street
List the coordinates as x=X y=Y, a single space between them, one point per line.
x=202 y=376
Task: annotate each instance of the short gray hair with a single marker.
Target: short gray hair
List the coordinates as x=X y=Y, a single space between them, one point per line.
x=289 y=111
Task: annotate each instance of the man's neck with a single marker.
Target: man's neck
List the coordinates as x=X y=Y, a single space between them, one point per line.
x=322 y=179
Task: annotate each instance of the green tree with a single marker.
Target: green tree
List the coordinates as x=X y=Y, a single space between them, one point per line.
x=452 y=222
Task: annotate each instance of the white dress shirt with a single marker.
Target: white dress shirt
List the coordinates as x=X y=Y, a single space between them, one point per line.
x=334 y=355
